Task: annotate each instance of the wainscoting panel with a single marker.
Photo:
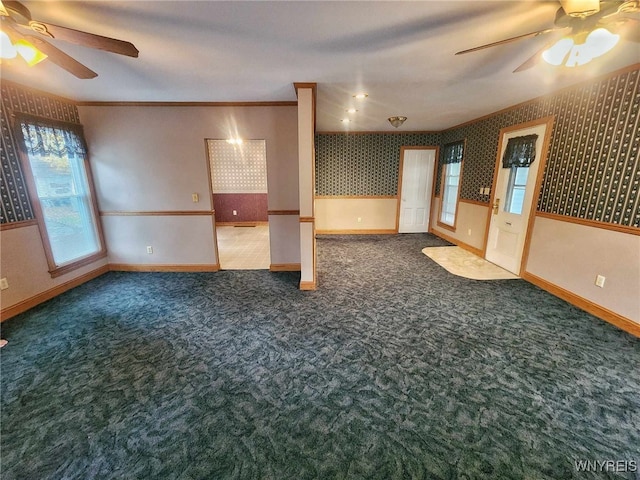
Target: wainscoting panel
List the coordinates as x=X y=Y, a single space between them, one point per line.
x=585 y=252
x=127 y=238
x=24 y=265
x=249 y=207
x=335 y=215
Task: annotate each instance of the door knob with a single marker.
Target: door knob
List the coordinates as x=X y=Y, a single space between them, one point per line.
x=496 y=206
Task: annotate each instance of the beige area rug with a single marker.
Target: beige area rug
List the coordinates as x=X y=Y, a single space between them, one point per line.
x=465 y=264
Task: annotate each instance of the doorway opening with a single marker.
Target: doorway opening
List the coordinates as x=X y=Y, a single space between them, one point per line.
x=239 y=190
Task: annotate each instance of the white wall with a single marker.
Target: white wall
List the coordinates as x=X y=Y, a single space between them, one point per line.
x=570 y=256
x=334 y=215
x=470 y=217
x=153 y=158
x=24 y=264
x=128 y=237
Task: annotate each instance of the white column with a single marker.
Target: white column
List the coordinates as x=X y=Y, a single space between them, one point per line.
x=306 y=182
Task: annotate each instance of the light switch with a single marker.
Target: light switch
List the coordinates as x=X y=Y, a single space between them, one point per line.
x=194 y=197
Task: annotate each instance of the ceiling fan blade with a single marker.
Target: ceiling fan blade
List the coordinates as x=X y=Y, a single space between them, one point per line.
x=507 y=40
x=85 y=39
x=533 y=60
x=61 y=59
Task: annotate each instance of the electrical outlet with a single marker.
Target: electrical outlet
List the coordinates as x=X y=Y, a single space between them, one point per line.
x=359 y=219
x=600 y=281
x=235 y=212
x=149 y=249
x=469 y=232
x=195 y=198
x=4 y=284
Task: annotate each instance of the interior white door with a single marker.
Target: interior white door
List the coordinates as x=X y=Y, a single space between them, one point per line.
x=512 y=199
x=417 y=183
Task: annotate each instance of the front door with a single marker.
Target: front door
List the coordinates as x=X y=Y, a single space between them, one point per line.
x=416 y=185
x=513 y=196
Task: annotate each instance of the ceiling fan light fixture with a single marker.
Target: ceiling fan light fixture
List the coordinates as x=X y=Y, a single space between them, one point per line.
x=581 y=49
x=7 y=50
x=29 y=53
x=600 y=41
x=580 y=8
x=397 y=121
x=558 y=52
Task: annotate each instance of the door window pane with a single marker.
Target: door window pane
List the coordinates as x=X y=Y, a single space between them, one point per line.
x=516 y=190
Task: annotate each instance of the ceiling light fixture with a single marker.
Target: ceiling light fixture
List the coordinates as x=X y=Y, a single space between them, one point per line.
x=351 y=110
x=7 y=50
x=345 y=120
x=361 y=96
x=580 y=48
x=397 y=121
x=29 y=53
x=580 y=8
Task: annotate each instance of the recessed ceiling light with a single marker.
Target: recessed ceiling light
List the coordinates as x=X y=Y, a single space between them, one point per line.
x=346 y=120
x=351 y=110
x=360 y=96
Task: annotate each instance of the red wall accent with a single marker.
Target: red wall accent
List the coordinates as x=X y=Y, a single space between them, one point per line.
x=251 y=207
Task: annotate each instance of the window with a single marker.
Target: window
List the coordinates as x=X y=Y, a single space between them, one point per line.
x=518 y=155
x=62 y=192
x=451 y=174
x=516 y=190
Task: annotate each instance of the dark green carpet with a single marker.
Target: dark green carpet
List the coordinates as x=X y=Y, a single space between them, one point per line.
x=393 y=369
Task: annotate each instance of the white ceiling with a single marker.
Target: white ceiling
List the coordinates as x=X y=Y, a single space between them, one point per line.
x=400 y=53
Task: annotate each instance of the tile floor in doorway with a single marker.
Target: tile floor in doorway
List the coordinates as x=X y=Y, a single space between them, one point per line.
x=243 y=248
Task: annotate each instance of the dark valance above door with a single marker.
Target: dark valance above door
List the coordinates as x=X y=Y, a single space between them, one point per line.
x=520 y=151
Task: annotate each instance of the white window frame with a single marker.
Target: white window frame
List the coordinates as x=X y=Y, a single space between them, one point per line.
x=448 y=208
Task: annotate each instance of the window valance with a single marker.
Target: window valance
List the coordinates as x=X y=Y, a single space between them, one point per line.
x=48 y=140
x=453 y=152
x=520 y=151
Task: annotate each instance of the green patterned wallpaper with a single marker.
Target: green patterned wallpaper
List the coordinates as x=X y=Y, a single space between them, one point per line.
x=363 y=164
x=593 y=169
x=15 y=205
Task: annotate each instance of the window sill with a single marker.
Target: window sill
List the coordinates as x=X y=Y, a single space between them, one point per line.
x=446 y=226
x=70 y=267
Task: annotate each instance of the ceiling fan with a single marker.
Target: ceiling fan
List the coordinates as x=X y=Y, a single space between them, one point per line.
x=22 y=35
x=596 y=26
